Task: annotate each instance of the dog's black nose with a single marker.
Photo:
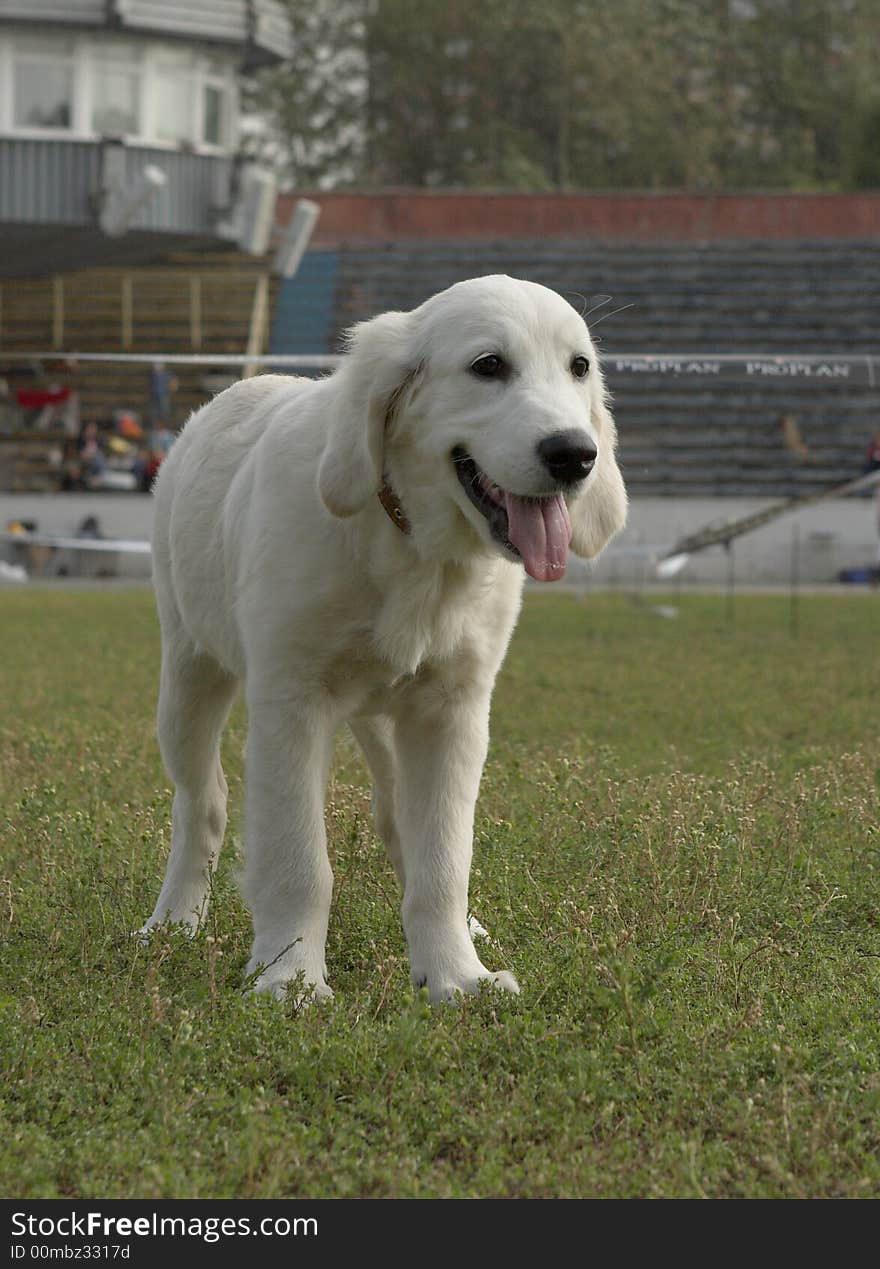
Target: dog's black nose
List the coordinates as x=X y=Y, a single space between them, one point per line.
x=568 y=456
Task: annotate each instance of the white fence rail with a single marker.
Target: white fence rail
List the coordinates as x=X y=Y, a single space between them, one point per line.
x=863 y=368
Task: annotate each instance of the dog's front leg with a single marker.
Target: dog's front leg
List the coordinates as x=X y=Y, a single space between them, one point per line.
x=288 y=881
x=441 y=741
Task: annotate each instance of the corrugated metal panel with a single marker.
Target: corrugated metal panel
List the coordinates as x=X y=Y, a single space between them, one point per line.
x=226 y=21
x=89 y=11
x=47 y=181
x=213 y=19
x=271 y=28
x=187 y=204
x=52 y=182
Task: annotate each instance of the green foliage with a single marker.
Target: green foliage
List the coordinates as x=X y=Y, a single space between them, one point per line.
x=676 y=849
x=317 y=100
x=577 y=94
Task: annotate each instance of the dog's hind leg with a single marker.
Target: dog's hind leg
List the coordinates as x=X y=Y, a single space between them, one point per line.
x=194 y=701
x=375 y=735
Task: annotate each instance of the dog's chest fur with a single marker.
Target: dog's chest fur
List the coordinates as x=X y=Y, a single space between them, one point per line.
x=430 y=613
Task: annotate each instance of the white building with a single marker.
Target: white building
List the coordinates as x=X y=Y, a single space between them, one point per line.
x=96 y=93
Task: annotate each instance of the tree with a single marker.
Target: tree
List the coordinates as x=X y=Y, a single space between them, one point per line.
x=459 y=94
x=580 y=94
x=317 y=99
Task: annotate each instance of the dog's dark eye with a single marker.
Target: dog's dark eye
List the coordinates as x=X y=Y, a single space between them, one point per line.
x=491 y=366
x=579 y=367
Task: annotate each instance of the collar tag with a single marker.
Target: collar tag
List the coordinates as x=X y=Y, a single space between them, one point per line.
x=393 y=508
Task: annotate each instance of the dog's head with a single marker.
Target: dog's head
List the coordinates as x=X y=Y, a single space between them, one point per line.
x=486 y=410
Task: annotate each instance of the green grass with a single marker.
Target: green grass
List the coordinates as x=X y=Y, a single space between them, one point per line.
x=676 y=847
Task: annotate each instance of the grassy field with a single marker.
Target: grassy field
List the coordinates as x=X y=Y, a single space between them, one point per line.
x=676 y=848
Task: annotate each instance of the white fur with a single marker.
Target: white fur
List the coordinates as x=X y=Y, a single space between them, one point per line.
x=277 y=568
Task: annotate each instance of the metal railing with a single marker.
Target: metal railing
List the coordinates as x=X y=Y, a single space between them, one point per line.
x=844 y=368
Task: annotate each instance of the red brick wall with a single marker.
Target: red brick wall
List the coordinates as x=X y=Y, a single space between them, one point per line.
x=395 y=216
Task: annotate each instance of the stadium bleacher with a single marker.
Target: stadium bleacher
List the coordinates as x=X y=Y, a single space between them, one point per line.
x=680 y=435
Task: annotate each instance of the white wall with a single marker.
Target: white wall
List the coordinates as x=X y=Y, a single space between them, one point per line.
x=120 y=516
x=840 y=533
x=829 y=536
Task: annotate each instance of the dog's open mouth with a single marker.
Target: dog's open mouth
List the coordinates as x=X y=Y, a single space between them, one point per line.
x=535 y=530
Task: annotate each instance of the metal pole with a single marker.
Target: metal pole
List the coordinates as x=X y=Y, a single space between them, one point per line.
x=58 y=312
x=259 y=324
x=793 y=608
x=127 y=311
x=195 y=312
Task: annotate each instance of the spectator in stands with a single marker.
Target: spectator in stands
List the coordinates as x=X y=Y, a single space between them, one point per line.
x=145 y=467
x=71 y=468
x=161 y=440
x=791 y=437
x=91 y=455
x=9 y=416
x=872 y=456
x=162 y=384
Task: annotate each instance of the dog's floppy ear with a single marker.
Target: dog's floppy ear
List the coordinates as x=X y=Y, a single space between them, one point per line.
x=371 y=379
x=600 y=512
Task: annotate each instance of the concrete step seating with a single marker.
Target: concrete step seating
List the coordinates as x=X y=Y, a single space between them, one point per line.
x=192 y=304
x=700 y=437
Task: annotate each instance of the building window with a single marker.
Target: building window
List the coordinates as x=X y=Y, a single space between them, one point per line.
x=213 y=122
x=174 y=88
x=139 y=91
x=42 y=91
x=116 y=90
x=174 y=107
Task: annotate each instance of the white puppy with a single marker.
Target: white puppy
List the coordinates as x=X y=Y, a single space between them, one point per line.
x=479 y=420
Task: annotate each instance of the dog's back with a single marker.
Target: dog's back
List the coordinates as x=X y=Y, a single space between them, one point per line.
x=189 y=570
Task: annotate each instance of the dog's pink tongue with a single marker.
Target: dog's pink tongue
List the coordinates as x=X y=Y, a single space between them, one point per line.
x=541 y=531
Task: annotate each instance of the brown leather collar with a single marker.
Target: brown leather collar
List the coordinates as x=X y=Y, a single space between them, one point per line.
x=393 y=508
x=387 y=496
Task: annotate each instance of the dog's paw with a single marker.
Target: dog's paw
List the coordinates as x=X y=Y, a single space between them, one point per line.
x=293 y=976
x=187 y=925
x=295 y=989
x=505 y=981
x=447 y=989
